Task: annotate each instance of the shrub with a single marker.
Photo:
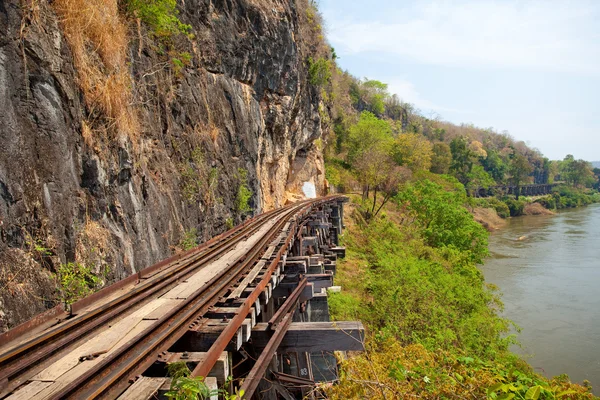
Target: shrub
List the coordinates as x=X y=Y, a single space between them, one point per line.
x=76 y=281
x=244 y=194
x=189 y=239
x=319 y=71
x=515 y=206
x=160 y=16
x=548 y=202
x=444 y=220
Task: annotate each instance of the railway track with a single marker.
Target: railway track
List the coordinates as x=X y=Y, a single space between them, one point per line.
x=171 y=297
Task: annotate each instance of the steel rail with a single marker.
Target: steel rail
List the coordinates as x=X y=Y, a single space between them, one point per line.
x=260 y=367
x=236 y=322
x=280 y=322
x=289 y=303
x=17 y=361
x=109 y=377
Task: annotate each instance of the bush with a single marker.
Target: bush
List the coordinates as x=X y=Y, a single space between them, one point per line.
x=515 y=207
x=189 y=239
x=569 y=197
x=244 y=194
x=76 y=281
x=319 y=71
x=548 y=202
x=444 y=220
x=160 y=15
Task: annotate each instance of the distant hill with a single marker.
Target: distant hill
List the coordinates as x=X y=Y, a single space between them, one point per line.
x=596 y=164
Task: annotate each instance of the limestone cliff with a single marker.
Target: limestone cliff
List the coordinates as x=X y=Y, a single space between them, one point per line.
x=76 y=186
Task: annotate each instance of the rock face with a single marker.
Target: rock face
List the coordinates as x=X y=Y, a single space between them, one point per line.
x=117 y=203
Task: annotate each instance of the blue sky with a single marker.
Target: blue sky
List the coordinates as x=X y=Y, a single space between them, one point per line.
x=531 y=68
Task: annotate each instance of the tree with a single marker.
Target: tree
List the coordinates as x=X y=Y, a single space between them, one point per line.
x=462 y=159
x=494 y=165
x=390 y=186
x=519 y=170
x=477 y=148
x=369 y=132
x=441 y=158
x=479 y=178
x=577 y=172
x=596 y=172
x=413 y=151
x=372 y=167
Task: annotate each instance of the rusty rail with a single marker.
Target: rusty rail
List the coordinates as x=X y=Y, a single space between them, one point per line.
x=289 y=303
x=236 y=322
x=17 y=362
x=111 y=376
x=260 y=367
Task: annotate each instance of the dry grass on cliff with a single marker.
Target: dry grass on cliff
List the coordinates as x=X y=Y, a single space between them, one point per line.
x=98 y=39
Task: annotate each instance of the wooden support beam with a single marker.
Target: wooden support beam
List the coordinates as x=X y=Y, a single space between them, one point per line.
x=220 y=371
x=315 y=336
x=143 y=389
x=201 y=338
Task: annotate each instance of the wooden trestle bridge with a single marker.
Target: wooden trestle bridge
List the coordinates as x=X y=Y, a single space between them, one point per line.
x=250 y=304
x=522 y=190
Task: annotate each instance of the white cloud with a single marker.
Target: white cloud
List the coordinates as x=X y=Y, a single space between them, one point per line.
x=545 y=35
x=408 y=93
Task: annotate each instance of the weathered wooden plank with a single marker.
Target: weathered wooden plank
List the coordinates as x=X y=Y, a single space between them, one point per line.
x=143 y=389
x=200 y=278
x=158 y=312
x=315 y=336
x=237 y=292
x=98 y=345
x=29 y=391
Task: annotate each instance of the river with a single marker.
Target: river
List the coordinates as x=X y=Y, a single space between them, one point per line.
x=550 y=281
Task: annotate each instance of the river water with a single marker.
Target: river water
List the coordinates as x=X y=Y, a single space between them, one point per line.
x=550 y=280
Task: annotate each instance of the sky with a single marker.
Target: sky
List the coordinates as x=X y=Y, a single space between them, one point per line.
x=531 y=68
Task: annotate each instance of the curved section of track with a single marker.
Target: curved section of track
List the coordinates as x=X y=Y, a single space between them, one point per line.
x=110 y=376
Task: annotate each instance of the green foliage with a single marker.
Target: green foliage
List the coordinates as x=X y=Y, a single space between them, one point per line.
x=199 y=180
x=184 y=387
x=577 y=172
x=444 y=220
x=189 y=239
x=229 y=223
x=77 y=281
x=160 y=16
x=319 y=71
x=434 y=329
x=441 y=158
x=519 y=169
x=516 y=207
x=492 y=202
x=569 y=197
x=494 y=165
x=244 y=194
x=462 y=159
x=478 y=178
x=369 y=132
x=180 y=62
